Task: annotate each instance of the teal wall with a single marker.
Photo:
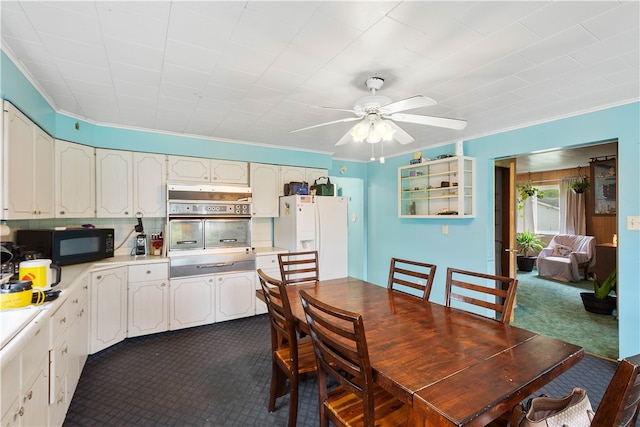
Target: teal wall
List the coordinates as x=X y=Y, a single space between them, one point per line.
x=469 y=242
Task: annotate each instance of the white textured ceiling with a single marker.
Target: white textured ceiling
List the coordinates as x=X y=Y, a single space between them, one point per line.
x=250 y=70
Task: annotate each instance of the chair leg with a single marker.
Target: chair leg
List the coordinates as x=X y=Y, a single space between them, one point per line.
x=293 y=400
x=278 y=382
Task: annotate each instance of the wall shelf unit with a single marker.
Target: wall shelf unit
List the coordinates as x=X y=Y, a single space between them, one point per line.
x=440 y=188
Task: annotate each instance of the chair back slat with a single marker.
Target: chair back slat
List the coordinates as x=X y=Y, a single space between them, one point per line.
x=299 y=267
x=620 y=404
x=341 y=347
x=283 y=330
x=496 y=293
x=406 y=274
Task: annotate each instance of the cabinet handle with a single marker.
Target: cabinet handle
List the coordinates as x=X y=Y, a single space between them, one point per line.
x=148 y=271
x=163 y=285
x=66 y=350
x=59 y=401
x=29 y=395
x=20 y=412
x=85 y=287
x=126 y=213
x=75 y=301
x=63 y=320
x=62 y=212
x=99 y=277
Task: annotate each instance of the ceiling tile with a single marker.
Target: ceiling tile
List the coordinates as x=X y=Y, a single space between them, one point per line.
x=616 y=21
x=560 y=44
x=132 y=54
x=557 y=16
x=557 y=66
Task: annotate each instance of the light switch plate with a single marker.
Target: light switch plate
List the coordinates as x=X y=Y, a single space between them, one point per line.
x=633 y=223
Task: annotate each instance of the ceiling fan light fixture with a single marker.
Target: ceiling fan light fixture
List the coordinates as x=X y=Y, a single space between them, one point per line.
x=360 y=131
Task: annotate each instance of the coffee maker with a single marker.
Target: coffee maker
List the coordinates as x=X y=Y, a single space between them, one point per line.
x=141 y=238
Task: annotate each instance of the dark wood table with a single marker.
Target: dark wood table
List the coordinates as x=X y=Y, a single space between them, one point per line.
x=452 y=368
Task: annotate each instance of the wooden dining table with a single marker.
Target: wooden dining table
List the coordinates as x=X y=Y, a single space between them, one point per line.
x=451 y=367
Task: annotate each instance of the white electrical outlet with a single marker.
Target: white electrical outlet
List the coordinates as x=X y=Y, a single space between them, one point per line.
x=633 y=223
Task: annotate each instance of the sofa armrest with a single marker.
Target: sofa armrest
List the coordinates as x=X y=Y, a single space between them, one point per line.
x=546 y=252
x=580 y=257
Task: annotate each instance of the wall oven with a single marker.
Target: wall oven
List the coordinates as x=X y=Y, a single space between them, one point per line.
x=209 y=229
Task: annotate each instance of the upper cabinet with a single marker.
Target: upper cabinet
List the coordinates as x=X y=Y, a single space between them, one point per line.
x=130 y=184
x=75 y=181
x=28 y=168
x=298 y=174
x=437 y=189
x=114 y=183
x=150 y=184
x=264 y=189
x=201 y=170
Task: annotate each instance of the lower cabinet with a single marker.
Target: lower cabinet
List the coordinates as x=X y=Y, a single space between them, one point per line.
x=201 y=300
x=191 y=302
x=235 y=295
x=108 y=308
x=148 y=299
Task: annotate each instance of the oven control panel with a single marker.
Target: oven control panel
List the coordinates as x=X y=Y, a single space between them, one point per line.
x=242 y=209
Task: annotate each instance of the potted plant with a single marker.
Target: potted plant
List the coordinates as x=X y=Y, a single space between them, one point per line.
x=579 y=187
x=527 y=242
x=599 y=301
x=525 y=191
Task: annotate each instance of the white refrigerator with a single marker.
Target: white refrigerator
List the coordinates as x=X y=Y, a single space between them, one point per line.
x=308 y=223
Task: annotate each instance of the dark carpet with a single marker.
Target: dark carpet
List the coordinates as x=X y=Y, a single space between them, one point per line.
x=219 y=375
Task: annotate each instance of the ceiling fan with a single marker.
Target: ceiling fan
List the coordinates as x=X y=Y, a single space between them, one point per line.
x=377 y=116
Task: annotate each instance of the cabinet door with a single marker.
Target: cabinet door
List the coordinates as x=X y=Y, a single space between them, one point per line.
x=35 y=399
x=290 y=174
x=75 y=180
x=19 y=164
x=148 y=307
x=78 y=333
x=114 y=183
x=44 y=174
x=149 y=184
x=189 y=169
x=264 y=189
x=107 y=308
x=235 y=295
x=229 y=172
x=192 y=302
x=268 y=264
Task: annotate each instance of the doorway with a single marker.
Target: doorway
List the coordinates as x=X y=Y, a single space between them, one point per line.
x=558 y=322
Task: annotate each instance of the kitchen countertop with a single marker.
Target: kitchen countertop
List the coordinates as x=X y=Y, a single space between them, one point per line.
x=14 y=321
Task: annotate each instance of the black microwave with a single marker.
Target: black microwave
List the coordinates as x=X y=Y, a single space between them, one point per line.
x=69 y=246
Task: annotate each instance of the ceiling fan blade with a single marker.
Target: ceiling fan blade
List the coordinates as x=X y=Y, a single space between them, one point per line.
x=400 y=135
x=348 y=119
x=345 y=139
x=429 y=121
x=408 y=104
x=358 y=113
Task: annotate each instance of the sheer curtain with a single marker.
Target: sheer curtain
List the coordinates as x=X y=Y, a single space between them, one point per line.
x=572 y=209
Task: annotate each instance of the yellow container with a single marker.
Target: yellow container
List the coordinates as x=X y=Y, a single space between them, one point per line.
x=18 y=294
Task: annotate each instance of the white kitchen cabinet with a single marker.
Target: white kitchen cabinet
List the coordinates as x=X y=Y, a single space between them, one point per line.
x=268 y=263
x=28 y=167
x=192 y=302
x=441 y=188
x=188 y=169
x=148 y=300
x=107 y=307
x=78 y=334
x=196 y=169
x=298 y=174
x=149 y=184
x=229 y=172
x=130 y=184
x=75 y=180
x=264 y=183
x=235 y=295
x=24 y=385
x=114 y=183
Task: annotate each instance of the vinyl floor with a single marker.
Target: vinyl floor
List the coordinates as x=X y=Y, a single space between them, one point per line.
x=218 y=375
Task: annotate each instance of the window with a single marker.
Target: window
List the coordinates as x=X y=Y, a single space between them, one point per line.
x=547 y=211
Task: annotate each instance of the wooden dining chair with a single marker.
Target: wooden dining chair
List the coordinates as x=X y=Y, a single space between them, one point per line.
x=299 y=267
x=405 y=275
x=496 y=293
x=291 y=358
x=621 y=401
x=341 y=351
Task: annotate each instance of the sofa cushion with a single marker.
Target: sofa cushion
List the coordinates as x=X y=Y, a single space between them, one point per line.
x=561 y=250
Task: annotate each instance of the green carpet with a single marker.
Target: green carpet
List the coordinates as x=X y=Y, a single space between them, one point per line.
x=555 y=309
